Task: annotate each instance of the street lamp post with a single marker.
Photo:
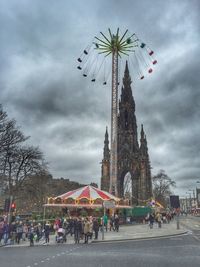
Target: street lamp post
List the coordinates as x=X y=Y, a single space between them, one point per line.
x=9 y=211
x=190 y=201
x=193 y=198
x=197 y=194
x=186 y=204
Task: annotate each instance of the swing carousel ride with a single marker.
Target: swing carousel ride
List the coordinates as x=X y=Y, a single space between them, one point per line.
x=94 y=64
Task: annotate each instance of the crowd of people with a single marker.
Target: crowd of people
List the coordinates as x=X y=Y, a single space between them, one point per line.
x=86 y=228
x=81 y=228
x=17 y=231
x=158 y=218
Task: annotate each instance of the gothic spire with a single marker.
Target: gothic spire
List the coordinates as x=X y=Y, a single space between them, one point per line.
x=126 y=95
x=127 y=124
x=146 y=145
x=106 y=151
x=143 y=142
x=127 y=79
x=142 y=132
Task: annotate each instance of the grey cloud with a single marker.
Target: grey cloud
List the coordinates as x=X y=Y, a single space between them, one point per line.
x=66 y=115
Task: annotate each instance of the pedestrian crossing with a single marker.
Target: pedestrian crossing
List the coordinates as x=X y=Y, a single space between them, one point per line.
x=53 y=257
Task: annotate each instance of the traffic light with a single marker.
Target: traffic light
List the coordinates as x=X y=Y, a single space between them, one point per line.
x=13 y=206
x=7 y=205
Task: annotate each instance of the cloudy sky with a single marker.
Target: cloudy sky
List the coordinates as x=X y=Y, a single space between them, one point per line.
x=66 y=115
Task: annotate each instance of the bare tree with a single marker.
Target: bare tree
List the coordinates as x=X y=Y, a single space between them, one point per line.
x=10 y=134
x=162 y=186
x=10 y=137
x=22 y=163
x=17 y=161
x=35 y=190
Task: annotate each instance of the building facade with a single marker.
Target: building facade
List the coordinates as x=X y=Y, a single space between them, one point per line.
x=133 y=164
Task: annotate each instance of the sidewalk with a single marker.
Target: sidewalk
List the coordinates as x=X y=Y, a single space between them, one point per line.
x=142 y=231
x=129 y=232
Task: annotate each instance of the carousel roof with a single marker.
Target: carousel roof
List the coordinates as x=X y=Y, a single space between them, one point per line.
x=89 y=192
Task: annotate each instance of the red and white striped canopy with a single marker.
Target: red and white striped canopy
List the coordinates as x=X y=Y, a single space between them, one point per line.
x=89 y=192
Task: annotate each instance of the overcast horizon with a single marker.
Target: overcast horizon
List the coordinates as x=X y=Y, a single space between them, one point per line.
x=66 y=115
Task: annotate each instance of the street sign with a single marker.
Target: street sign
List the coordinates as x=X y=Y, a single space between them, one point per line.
x=109 y=204
x=174 y=202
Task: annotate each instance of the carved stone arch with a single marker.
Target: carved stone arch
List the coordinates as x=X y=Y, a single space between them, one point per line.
x=121 y=176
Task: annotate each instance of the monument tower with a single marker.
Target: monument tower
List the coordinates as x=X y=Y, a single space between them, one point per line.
x=133 y=165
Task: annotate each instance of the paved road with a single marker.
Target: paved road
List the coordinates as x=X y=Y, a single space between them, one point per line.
x=193 y=225
x=176 y=251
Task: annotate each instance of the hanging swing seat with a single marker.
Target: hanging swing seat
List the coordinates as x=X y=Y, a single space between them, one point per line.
x=79 y=67
x=85 y=52
x=104 y=83
x=129 y=41
x=79 y=59
x=150 y=70
x=155 y=62
x=142 y=77
x=93 y=80
x=84 y=75
x=142 y=45
x=151 y=53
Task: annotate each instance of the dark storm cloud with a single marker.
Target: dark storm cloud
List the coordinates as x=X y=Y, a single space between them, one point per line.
x=67 y=115
x=175 y=111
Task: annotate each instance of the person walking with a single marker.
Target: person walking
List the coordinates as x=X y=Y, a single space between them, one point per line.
x=77 y=230
x=38 y=230
x=91 y=227
x=112 y=220
x=19 y=231
x=151 y=220
x=47 y=232
x=95 y=228
x=86 y=229
x=31 y=235
x=159 y=219
x=1 y=229
x=105 y=221
x=25 y=232
x=13 y=233
x=116 y=222
x=100 y=221
x=6 y=232
x=71 y=226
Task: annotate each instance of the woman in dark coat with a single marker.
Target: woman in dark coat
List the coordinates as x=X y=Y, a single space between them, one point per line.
x=47 y=232
x=151 y=220
x=116 y=222
x=77 y=230
x=95 y=228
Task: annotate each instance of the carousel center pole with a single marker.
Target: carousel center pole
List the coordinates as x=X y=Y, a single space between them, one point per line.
x=114 y=108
